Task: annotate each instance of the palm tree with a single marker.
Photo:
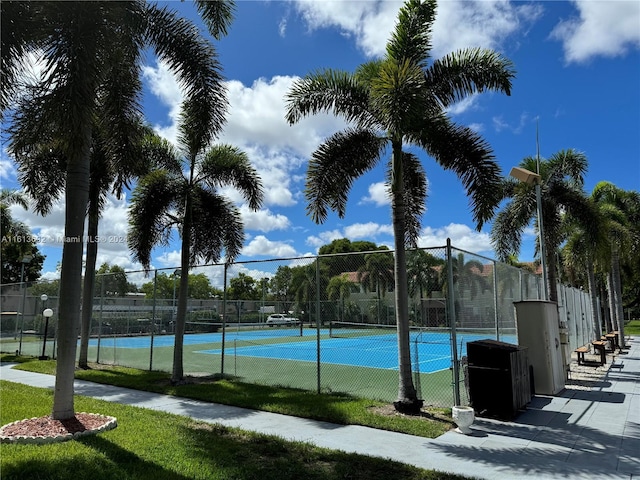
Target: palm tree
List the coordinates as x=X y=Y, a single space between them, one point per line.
x=401 y=100
x=81 y=43
x=423 y=272
x=376 y=275
x=584 y=249
x=562 y=194
x=614 y=204
x=340 y=288
x=182 y=192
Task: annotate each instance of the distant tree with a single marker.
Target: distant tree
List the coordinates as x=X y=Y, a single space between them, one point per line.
x=115 y=281
x=50 y=288
x=338 y=264
x=17 y=242
x=199 y=286
x=340 y=288
x=243 y=287
x=281 y=287
x=168 y=285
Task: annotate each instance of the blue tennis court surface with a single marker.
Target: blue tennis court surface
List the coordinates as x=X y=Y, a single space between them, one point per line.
x=430 y=351
x=200 y=338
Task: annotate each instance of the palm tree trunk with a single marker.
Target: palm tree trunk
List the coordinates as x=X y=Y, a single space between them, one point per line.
x=76 y=198
x=595 y=312
x=177 y=375
x=89 y=278
x=617 y=288
x=407 y=396
x=552 y=274
x=613 y=311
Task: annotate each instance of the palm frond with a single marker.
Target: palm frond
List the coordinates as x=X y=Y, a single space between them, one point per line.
x=411 y=38
x=217 y=15
x=332 y=91
x=457 y=75
x=397 y=96
x=150 y=219
x=217 y=227
x=463 y=151
x=228 y=165
x=334 y=166
x=569 y=165
x=194 y=61
x=509 y=224
x=41 y=172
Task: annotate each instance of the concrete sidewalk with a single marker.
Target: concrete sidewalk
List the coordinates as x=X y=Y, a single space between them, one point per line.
x=589 y=433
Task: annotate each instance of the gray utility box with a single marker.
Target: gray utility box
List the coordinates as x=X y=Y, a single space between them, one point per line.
x=499 y=380
x=538 y=330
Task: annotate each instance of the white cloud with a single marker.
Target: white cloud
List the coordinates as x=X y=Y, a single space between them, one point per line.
x=462 y=236
x=263 y=220
x=459 y=24
x=262 y=246
x=378 y=195
x=367 y=230
x=607 y=29
x=164 y=85
x=7 y=169
x=499 y=124
x=324 y=238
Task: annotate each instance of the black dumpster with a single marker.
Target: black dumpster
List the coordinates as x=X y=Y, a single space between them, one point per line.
x=499 y=382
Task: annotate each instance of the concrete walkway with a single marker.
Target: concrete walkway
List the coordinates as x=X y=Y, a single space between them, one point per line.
x=591 y=433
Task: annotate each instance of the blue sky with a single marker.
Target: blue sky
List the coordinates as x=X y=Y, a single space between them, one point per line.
x=578 y=78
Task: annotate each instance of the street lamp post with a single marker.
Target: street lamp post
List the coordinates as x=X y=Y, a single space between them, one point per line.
x=47 y=313
x=26 y=259
x=527 y=176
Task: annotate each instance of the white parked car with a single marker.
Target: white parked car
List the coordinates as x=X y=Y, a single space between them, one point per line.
x=281 y=319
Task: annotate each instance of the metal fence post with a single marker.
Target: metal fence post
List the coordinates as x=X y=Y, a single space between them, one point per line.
x=100 y=321
x=224 y=316
x=318 y=363
x=153 y=317
x=452 y=325
x=495 y=299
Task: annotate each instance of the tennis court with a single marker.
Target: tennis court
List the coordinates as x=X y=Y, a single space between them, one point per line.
x=430 y=351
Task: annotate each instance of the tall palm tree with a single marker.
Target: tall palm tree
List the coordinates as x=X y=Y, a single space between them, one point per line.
x=80 y=43
x=182 y=193
x=562 y=194
x=422 y=274
x=376 y=275
x=395 y=101
x=340 y=288
x=584 y=249
x=613 y=204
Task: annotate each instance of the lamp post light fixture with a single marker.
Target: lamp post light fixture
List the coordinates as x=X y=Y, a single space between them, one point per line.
x=47 y=314
x=528 y=177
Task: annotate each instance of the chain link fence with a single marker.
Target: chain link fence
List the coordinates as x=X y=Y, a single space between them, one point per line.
x=334 y=327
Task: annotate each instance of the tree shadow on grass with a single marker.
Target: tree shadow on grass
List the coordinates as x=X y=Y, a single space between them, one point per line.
x=111 y=463
x=249 y=456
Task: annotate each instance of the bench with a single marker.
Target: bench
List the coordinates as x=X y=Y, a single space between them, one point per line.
x=581 y=351
x=600 y=346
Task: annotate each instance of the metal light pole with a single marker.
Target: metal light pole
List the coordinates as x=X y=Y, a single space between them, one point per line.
x=26 y=259
x=527 y=176
x=47 y=313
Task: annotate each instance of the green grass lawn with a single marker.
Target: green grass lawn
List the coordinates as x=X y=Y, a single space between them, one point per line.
x=335 y=408
x=153 y=445
x=632 y=328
